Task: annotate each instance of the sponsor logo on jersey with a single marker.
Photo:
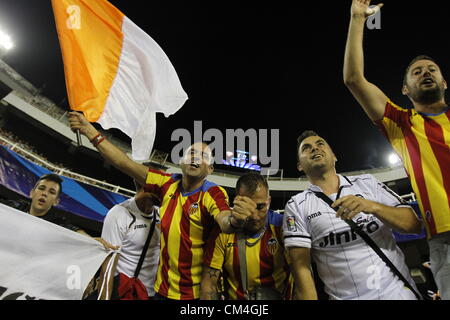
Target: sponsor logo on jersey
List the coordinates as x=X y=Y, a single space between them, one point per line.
x=140 y=226
x=339 y=238
x=193 y=208
x=314 y=215
x=272 y=245
x=291 y=224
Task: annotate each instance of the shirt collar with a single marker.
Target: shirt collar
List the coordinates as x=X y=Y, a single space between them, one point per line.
x=433 y=114
x=135 y=209
x=259 y=234
x=343 y=182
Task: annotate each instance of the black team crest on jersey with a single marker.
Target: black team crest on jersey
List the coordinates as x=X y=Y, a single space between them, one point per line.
x=272 y=245
x=193 y=208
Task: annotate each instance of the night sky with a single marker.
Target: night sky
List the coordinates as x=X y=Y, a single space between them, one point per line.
x=263 y=66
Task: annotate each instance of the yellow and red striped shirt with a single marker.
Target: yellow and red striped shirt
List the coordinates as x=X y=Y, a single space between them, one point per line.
x=423 y=141
x=187 y=220
x=266 y=262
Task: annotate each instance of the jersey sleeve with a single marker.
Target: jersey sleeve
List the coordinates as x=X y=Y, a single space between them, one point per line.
x=394 y=119
x=215 y=256
x=386 y=196
x=115 y=226
x=155 y=182
x=216 y=201
x=295 y=229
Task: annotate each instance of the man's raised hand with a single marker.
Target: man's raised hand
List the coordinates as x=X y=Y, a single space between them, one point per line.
x=243 y=208
x=77 y=121
x=362 y=8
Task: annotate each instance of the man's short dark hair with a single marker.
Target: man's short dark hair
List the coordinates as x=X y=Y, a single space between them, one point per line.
x=251 y=181
x=51 y=177
x=305 y=134
x=418 y=58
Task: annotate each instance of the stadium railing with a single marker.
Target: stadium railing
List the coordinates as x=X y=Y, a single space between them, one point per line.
x=63 y=171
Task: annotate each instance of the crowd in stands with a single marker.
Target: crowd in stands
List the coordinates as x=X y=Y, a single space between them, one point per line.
x=38 y=158
x=16 y=141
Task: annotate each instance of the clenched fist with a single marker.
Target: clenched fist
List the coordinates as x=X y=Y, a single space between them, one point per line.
x=78 y=121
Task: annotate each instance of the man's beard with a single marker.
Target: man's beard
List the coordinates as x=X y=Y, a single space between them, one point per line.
x=316 y=169
x=429 y=96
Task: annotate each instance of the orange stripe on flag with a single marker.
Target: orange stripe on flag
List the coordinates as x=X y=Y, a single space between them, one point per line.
x=91 y=38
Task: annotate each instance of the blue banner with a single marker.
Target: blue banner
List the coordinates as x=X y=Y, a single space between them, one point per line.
x=20 y=175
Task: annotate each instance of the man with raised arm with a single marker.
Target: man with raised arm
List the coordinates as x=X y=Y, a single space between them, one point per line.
x=420 y=135
x=190 y=206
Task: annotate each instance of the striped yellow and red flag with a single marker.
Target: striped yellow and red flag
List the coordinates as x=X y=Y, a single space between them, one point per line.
x=116 y=74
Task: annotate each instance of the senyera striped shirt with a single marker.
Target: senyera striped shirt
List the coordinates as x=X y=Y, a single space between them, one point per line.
x=422 y=141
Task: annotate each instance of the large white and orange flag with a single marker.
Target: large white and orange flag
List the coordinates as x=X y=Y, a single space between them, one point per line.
x=115 y=72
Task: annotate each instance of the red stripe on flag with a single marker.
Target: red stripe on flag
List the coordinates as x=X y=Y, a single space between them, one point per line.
x=414 y=153
x=166 y=222
x=266 y=264
x=441 y=151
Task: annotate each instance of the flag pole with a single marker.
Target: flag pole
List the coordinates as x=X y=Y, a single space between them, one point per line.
x=79 y=144
x=77 y=132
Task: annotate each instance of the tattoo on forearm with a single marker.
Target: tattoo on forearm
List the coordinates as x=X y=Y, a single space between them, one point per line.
x=213 y=273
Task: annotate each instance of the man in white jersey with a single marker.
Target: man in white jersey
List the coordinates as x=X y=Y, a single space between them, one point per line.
x=349 y=268
x=128 y=225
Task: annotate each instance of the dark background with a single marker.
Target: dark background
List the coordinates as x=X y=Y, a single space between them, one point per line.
x=273 y=65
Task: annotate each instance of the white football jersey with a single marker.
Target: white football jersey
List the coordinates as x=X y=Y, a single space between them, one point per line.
x=349 y=268
x=126 y=226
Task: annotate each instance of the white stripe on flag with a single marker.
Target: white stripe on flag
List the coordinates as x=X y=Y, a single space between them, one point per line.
x=44 y=261
x=146 y=83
